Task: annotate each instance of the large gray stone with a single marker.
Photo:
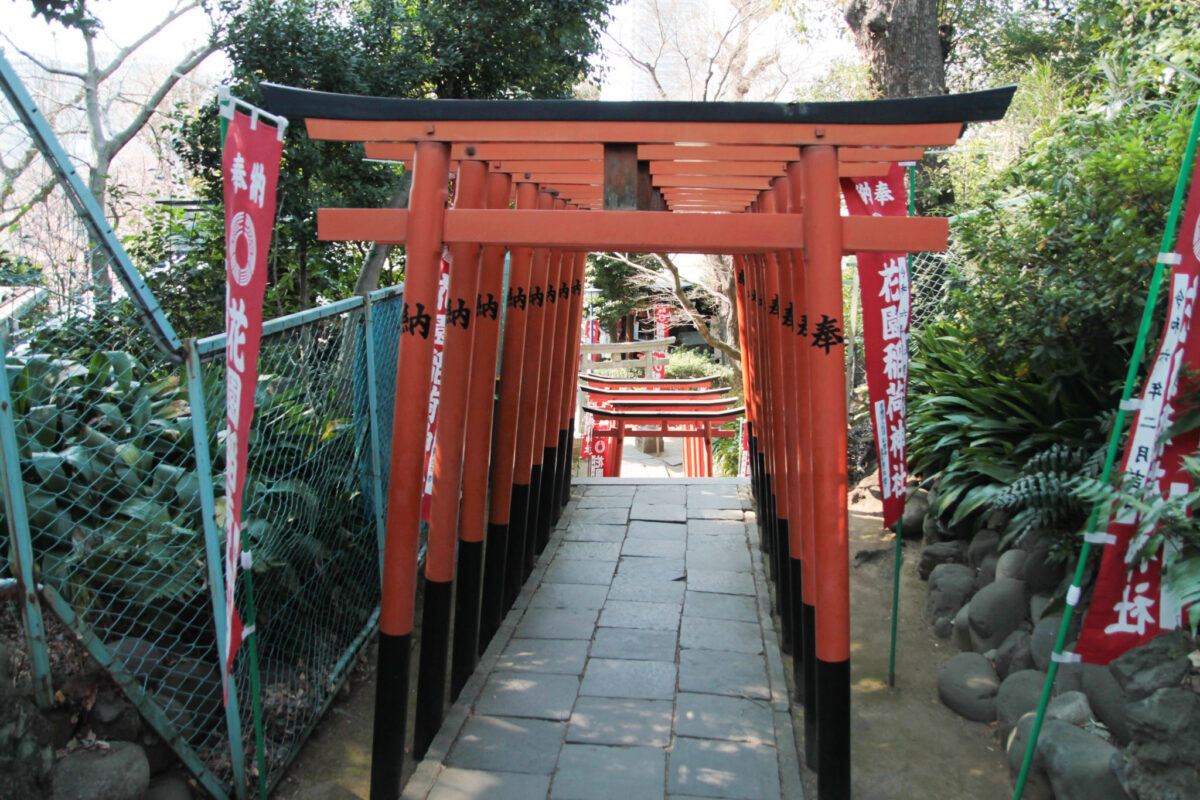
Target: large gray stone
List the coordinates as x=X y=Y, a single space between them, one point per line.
x=1078 y=763
x=113 y=718
x=961 y=629
x=1158 y=664
x=941 y=553
x=916 y=507
x=1072 y=707
x=1011 y=565
x=1107 y=699
x=995 y=611
x=141 y=658
x=934 y=530
x=983 y=544
x=987 y=570
x=1013 y=654
x=1045 y=633
x=171 y=786
x=1038 y=603
x=1041 y=573
x=1017 y=695
x=1037 y=785
x=967 y=685
x=1164 y=757
x=26 y=743
x=119 y=772
x=950 y=587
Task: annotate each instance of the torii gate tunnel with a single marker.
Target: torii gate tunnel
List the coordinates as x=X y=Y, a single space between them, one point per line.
x=547 y=182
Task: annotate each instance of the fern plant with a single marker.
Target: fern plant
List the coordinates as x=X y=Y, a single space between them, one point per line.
x=1043 y=497
x=1171 y=520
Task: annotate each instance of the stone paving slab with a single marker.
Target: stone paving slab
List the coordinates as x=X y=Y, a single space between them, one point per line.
x=457 y=784
x=639 y=661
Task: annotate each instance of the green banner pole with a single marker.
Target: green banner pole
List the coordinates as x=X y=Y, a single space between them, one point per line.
x=912 y=210
x=225 y=102
x=1139 y=347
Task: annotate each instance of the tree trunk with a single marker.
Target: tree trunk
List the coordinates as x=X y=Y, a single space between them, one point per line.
x=900 y=42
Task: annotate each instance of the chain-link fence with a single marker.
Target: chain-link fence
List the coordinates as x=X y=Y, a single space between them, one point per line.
x=112 y=449
x=931 y=278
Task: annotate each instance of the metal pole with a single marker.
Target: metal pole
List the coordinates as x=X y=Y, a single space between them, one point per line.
x=912 y=210
x=213 y=557
x=19 y=534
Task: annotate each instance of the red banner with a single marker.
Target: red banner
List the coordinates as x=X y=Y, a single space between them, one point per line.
x=435 y=383
x=883 y=278
x=251 y=169
x=662 y=326
x=1130 y=605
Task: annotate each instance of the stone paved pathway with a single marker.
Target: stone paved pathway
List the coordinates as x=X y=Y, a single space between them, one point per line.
x=640 y=661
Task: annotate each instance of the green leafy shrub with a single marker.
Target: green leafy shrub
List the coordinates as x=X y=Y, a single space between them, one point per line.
x=994 y=442
x=684 y=362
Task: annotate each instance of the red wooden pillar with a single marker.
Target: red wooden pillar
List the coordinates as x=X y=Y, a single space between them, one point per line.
x=524 y=534
x=447 y=469
x=823 y=282
x=427 y=202
x=782 y=374
x=803 y=600
x=748 y=385
x=479 y=587
x=558 y=299
x=571 y=382
x=539 y=518
x=506 y=515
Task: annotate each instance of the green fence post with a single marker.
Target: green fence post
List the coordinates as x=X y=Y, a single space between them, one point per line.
x=22 y=542
x=1118 y=430
x=373 y=415
x=212 y=551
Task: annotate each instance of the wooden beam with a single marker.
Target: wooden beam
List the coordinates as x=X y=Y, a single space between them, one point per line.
x=895 y=234
x=678 y=152
x=716 y=167
x=636 y=231
x=889 y=154
x=574 y=132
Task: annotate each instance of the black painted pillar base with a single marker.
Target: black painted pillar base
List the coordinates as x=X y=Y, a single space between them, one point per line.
x=773 y=535
x=783 y=591
x=431 y=674
x=514 y=574
x=391 y=715
x=548 y=509
x=755 y=469
x=764 y=516
x=532 y=521
x=491 y=604
x=833 y=730
x=810 y=688
x=467 y=588
x=799 y=642
x=568 y=462
x=560 y=476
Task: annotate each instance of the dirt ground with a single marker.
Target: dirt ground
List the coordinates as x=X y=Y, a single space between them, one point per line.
x=906 y=744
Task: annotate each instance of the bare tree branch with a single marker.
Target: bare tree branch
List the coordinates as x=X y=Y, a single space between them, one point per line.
x=189 y=62
x=41 y=64
x=684 y=301
x=125 y=52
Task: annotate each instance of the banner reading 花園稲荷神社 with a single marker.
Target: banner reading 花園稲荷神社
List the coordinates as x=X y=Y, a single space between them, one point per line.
x=251 y=171
x=886 y=300
x=1130 y=604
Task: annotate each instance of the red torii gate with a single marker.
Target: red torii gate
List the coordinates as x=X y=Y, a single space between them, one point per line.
x=758 y=181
